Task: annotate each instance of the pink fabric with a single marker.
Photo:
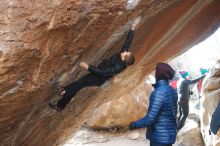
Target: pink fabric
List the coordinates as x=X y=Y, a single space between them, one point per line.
x=199 y=86
x=174 y=84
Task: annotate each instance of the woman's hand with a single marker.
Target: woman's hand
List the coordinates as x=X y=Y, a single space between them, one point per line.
x=131 y=126
x=84 y=65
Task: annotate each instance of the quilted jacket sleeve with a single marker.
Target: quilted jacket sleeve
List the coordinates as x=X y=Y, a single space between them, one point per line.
x=107 y=71
x=155 y=105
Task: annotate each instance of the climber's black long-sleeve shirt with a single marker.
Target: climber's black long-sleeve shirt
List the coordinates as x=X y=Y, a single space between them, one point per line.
x=114 y=64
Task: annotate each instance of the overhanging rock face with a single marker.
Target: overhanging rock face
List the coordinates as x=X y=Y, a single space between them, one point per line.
x=209 y=102
x=45 y=40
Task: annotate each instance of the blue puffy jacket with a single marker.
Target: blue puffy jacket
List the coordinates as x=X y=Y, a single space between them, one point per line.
x=161 y=117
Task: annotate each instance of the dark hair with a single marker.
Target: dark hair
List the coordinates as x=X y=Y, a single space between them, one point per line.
x=129 y=59
x=164 y=72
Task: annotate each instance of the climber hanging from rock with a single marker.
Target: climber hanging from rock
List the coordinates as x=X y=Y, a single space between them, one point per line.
x=184 y=95
x=98 y=75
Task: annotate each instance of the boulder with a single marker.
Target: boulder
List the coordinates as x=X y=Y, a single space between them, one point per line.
x=209 y=102
x=44 y=41
x=190 y=135
x=119 y=112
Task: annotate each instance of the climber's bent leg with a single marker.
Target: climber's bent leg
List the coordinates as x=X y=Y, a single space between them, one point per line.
x=73 y=88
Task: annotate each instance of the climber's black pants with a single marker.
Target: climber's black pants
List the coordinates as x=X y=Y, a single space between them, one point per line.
x=183 y=114
x=158 y=144
x=86 y=81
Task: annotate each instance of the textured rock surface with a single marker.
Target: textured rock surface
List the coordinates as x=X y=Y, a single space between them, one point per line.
x=44 y=40
x=209 y=101
x=190 y=135
x=121 y=111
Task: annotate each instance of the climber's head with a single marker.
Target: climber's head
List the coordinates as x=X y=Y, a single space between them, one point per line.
x=184 y=74
x=203 y=71
x=128 y=58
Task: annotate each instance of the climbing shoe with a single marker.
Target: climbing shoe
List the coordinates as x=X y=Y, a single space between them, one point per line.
x=55 y=107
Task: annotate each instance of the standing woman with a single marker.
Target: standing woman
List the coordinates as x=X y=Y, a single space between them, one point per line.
x=161 y=117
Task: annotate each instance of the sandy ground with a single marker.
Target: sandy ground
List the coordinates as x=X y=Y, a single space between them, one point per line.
x=116 y=142
x=86 y=137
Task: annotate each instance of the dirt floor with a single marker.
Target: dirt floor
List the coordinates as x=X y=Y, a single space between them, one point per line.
x=87 y=137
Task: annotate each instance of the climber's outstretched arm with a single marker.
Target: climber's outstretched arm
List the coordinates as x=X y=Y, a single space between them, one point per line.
x=195 y=80
x=129 y=37
x=128 y=41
